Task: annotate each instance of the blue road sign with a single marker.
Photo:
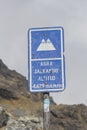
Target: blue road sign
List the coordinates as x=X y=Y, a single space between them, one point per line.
x=46 y=59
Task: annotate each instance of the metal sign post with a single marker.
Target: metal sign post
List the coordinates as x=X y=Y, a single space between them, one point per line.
x=46 y=64
x=46 y=121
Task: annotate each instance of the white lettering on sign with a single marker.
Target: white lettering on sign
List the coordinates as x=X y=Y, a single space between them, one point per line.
x=58 y=86
x=46 y=78
x=46 y=63
x=43 y=71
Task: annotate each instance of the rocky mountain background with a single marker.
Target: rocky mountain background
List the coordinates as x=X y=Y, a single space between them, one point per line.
x=21 y=110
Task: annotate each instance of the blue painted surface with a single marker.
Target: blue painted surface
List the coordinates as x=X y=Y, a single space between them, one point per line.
x=46 y=68
x=46 y=74
x=54 y=36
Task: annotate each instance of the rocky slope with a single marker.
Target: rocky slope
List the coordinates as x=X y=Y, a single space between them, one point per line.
x=21 y=110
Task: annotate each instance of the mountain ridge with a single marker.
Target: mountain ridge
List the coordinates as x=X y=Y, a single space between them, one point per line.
x=18 y=102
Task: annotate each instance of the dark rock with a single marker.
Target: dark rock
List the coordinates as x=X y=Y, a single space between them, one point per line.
x=3 y=67
x=69 y=117
x=57 y=114
x=7 y=94
x=83 y=112
x=3 y=117
x=12 y=84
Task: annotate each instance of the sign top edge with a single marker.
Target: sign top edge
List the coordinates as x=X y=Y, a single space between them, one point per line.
x=46 y=28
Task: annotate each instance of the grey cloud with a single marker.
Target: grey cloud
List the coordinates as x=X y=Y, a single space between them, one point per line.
x=16 y=17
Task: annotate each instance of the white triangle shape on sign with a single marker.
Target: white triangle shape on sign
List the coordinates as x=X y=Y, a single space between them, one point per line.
x=46 y=46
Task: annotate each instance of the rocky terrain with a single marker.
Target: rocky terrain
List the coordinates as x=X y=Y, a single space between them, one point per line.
x=21 y=110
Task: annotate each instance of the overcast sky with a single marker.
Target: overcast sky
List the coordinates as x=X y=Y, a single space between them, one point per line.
x=17 y=16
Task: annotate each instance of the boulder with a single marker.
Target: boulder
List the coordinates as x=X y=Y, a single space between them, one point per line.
x=3 y=117
x=25 y=123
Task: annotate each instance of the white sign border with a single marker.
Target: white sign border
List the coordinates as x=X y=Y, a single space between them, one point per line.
x=62 y=59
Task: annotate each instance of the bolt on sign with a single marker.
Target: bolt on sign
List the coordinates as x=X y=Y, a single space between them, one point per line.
x=46 y=62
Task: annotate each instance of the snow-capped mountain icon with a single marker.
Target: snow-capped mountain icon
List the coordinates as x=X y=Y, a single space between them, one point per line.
x=46 y=45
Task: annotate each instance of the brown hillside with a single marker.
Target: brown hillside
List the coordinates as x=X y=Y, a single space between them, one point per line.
x=18 y=101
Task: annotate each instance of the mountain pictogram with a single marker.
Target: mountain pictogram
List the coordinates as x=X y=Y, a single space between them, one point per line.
x=46 y=45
